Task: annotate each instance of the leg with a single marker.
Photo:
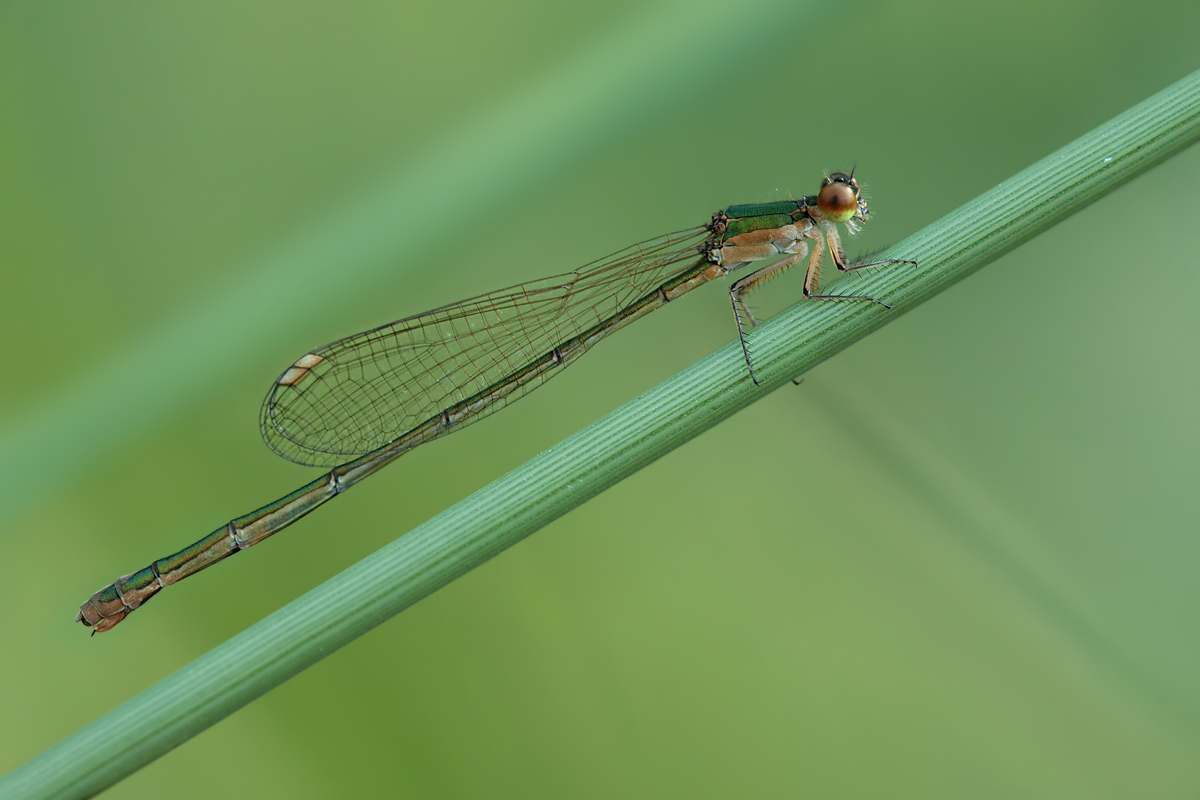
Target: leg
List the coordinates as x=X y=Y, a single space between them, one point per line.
x=812 y=279
x=839 y=255
x=745 y=285
x=868 y=264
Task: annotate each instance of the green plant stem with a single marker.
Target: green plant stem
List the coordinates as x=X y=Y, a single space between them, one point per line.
x=553 y=483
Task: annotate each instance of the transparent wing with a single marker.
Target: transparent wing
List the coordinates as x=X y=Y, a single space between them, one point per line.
x=357 y=394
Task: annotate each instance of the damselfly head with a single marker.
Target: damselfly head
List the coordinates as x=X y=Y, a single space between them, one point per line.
x=838 y=199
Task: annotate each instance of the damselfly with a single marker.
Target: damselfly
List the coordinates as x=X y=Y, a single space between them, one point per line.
x=359 y=403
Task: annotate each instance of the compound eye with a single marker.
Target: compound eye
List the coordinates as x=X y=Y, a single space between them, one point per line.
x=838 y=201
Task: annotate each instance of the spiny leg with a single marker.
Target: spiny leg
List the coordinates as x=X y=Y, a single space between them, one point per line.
x=812 y=279
x=747 y=284
x=836 y=251
x=882 y=263
x=839 y=255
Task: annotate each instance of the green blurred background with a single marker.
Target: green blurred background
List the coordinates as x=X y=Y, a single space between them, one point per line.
x=959 y=560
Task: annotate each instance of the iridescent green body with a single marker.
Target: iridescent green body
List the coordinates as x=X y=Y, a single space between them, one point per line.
x=760 y=216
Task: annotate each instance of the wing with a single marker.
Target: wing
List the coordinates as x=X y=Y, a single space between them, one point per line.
x=357 y=394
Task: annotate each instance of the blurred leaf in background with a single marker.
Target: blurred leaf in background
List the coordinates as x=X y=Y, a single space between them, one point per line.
x=958 y=561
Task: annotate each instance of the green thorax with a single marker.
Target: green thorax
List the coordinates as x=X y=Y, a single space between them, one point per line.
x=757 y=216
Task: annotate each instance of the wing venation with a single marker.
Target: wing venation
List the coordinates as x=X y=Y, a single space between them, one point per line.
x=357 y=394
